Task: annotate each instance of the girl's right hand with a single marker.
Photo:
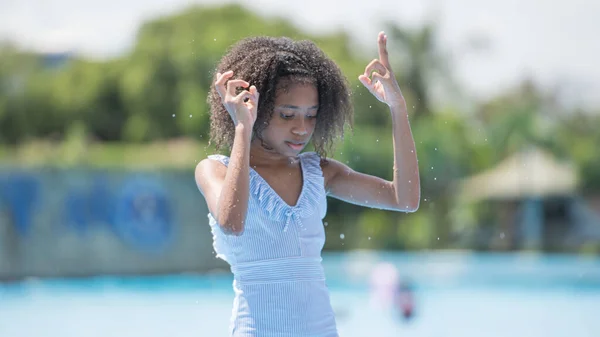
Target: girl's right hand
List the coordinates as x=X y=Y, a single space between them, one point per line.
x=241 y=107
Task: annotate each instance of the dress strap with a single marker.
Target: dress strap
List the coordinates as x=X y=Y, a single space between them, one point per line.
x=220 y=158
x=312 y=162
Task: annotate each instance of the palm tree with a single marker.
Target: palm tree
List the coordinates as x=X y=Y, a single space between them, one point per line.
x=421 y=63
x=425 y=68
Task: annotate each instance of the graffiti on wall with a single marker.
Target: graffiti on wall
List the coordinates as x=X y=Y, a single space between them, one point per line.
x=18 y=195
x=142 y=215
x=137 y=210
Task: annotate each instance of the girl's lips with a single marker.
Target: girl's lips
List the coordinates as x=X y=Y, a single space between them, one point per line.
x=295 y=146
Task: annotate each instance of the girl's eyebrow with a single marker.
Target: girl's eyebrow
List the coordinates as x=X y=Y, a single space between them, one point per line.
x=287 y=106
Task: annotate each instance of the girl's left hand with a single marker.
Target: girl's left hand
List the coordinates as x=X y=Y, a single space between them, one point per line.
x=380 y=79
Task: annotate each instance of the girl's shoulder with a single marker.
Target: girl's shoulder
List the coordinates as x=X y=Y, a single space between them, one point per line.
x=213 y=166
x=219 y=157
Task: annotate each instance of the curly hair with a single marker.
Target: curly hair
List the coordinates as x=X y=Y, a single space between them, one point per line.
x=271 y=62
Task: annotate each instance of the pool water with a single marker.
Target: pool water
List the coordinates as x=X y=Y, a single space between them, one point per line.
x=188 y=305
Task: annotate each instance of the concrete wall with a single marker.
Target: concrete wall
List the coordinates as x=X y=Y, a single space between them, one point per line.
x=56 y=223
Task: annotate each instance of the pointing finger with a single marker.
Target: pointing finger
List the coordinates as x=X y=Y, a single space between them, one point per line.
x=382 y=46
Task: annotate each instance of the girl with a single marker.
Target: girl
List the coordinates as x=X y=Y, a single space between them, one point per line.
x=271 y=97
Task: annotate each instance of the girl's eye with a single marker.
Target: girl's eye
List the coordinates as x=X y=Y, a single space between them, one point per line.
x=312 y=116
x=285 y=116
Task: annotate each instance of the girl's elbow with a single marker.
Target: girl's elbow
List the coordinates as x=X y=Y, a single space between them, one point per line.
x=235 y=231
x=232 y=228
x=414 y=203
x=412 y=207
x=407 y=203
x=230 y=225
x=408 y=206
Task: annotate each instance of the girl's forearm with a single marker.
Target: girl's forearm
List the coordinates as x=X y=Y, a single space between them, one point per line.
x=407 y=185
x=233 y=201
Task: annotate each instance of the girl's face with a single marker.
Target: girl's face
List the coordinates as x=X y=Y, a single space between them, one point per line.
x=294 y=119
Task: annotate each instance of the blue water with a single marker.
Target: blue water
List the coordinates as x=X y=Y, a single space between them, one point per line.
x=457 y=294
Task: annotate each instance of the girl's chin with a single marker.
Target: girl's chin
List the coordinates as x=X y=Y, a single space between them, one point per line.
x=285 y=149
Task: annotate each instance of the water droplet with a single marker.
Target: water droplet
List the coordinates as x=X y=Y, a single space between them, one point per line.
x=502 y=235
x=486 y=139
x=435 y=178
x=438 y=239
x=377 y=140
x=325 y=224
x=190 y=116
x=432 y=167
x=435 y=149
x=342 y=236
x=369 y=107
x=173 y=115
x=425 y=199
x=214 y=39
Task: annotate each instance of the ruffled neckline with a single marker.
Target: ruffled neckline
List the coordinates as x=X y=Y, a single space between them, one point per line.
x=276 y=207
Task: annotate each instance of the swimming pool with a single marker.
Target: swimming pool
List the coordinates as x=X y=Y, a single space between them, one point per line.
x=457 y=294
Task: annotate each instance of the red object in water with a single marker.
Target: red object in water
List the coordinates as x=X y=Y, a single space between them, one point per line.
x=405 y=301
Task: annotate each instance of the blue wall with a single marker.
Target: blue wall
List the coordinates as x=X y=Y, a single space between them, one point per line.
x=82 y=222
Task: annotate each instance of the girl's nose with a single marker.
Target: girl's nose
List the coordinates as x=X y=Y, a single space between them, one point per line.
x=300 y=128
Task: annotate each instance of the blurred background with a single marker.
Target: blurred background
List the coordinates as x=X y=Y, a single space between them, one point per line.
x=103 y=117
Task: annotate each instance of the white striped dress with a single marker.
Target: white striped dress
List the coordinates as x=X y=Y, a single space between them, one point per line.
x=279 y=283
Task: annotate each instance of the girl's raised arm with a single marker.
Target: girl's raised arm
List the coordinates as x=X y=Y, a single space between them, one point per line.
x=404 y=192
x=226 y=189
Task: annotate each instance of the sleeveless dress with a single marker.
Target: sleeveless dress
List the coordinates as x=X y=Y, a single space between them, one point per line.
x=279 y=282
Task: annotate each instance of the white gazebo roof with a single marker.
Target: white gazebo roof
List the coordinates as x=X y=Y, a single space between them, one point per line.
x=530 y=173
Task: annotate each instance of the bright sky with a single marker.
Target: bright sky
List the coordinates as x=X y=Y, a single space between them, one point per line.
x=554 y=41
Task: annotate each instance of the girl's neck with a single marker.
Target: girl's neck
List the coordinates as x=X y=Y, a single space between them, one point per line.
x=264 y=157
